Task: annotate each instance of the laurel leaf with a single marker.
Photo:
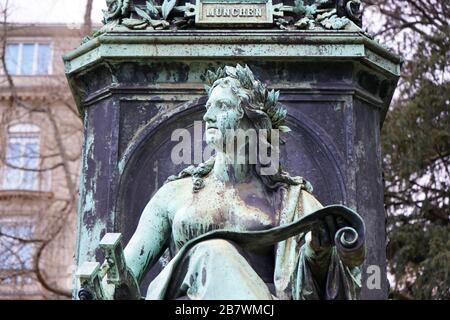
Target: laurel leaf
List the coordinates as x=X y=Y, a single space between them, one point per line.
x=125 y=7
x=230 y=71
x=134 y=23
x=271 y=98
x=240 y=73
x=250 y=74
x=271 y=111
x=151 y=7
x=210 y=77
x=221 y=73
x=259 y=113
x=276 y=96
x=142 y=14
x=284 y=129
x=167 y=7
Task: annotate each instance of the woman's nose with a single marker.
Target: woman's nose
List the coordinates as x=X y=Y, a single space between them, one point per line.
x=208 y=117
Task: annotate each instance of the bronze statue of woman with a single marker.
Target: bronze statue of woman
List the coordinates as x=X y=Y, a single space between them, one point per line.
x=237 y=233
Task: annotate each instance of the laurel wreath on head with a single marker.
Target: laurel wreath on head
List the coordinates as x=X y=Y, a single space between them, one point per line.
x=266 y=100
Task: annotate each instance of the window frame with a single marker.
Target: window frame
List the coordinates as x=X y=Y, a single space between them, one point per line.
x=36 y=42
x=23 y=137
x=22 y=282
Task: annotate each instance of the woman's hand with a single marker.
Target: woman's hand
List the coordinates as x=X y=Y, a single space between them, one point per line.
x=124 y=288
x=324 y=232
x=349 y=241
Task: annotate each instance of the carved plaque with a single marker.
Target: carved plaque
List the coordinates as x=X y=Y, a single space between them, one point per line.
x=233 y=12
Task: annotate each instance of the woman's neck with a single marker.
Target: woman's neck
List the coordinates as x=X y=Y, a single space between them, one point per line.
x=231 y=169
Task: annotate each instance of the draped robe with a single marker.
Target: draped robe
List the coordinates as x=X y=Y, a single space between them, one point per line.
x=209 y=269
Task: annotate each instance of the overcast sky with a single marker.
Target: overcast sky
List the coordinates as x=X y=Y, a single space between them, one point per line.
x=51 y=11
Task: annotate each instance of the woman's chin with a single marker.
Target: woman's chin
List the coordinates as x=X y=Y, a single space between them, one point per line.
x=213 y=136
x=214 y=142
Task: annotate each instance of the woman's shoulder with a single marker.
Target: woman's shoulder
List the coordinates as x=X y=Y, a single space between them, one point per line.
x=303 y=184
x=176 y=187
x=303 y=192
x=171 y=196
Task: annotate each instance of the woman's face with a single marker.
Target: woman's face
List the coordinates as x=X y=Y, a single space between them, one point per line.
x=222 y=114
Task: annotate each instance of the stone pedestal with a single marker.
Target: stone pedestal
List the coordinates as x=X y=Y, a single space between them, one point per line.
x=135 y=88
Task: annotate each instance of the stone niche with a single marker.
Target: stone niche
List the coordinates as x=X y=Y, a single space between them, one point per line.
x=134 y=88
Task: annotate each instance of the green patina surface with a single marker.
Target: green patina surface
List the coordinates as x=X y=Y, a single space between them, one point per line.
x=176 y=15
x=300 y=45
x=144 y=48
x=201 y=50
x=230 y=199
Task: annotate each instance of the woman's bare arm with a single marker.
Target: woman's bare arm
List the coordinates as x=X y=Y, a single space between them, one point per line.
x=151 y=236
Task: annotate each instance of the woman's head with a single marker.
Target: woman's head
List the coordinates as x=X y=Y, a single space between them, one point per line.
x=224 y=111
x=238 y=101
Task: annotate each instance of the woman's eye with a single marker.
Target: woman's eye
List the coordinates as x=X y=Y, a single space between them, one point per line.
x=223 y=106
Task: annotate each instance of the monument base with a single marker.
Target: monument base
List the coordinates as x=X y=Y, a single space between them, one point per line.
x=134 y=88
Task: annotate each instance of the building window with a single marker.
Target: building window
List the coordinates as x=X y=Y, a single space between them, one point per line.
x=16 y=253
x=28 y=58
x=21 y=170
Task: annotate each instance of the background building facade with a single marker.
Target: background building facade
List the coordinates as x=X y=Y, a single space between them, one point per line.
x=40 y=139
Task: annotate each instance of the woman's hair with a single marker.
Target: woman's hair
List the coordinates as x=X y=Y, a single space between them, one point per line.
x=261 y=107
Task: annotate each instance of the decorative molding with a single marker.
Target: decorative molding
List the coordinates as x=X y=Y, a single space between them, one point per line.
x=25 y=194
x=321 y=15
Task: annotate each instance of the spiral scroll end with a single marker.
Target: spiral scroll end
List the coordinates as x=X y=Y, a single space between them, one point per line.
x=350 y=246
x=347 y=237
